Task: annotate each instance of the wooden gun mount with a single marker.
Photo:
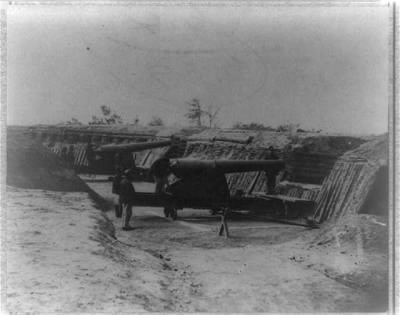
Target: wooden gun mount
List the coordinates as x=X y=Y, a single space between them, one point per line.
x=167 y=200
x=275 y=206
x=289 y=207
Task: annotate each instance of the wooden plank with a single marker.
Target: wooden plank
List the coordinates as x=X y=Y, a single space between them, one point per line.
x=346 y=205
x=351 y=178
x=342 y=191
x=327 y=192
x=283 y=198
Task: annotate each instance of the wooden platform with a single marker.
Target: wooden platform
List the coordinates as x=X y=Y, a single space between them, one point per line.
x=281 y=197
x=292 y=206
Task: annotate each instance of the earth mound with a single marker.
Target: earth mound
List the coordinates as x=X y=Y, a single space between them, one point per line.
x=62 y=257
x=30 y=165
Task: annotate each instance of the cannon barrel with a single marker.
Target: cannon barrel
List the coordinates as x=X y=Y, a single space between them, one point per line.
x=226 y=166
x=132 y=147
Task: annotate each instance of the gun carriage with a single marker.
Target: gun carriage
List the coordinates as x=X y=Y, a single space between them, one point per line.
x=200 y=184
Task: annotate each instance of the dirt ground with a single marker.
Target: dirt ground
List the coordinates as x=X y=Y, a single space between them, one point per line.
x=61 y=258
x=263 y=267
x=63 y=254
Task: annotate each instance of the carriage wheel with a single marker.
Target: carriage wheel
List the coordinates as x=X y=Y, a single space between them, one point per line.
x=167 y=212
x=174 y=214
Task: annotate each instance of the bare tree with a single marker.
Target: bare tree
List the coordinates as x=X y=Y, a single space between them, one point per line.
x=194 y=112
x=211 y=114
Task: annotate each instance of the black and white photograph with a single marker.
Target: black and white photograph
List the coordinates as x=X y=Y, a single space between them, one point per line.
x=198 y=157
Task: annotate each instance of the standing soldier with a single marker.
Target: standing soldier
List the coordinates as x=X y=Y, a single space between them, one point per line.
x=126 y=195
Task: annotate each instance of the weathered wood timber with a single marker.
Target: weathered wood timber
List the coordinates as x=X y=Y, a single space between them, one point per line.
x=348 y=185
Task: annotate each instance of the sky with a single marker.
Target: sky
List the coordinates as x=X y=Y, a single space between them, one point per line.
x=320 y=67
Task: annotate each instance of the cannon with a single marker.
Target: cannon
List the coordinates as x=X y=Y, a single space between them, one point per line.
x=132 y=147
x=187 y=167
x=201 y=184
x=113 y=156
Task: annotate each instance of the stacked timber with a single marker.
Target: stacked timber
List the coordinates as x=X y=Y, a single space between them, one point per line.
x=80 y=159
x=143 y=159
x=249 y=181
x=299 y=190
x=348 y=185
